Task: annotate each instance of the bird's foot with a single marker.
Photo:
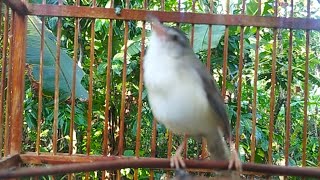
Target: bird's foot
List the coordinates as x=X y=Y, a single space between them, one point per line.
x=235 y=160
x=206 y=157
x=176 y=160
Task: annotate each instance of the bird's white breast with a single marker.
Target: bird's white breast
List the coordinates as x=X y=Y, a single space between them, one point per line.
x=176 y=94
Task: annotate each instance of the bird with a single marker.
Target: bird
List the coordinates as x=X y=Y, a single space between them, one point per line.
x=183 y=95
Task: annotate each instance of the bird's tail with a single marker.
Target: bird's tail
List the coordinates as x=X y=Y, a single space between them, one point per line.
x=217 y=146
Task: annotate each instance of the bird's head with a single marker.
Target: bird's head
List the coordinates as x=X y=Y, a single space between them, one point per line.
x=168 y=39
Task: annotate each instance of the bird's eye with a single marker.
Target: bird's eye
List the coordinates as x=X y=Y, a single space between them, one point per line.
x=175 y=37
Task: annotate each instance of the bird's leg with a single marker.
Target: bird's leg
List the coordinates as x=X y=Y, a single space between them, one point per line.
x=176 y=160
x=234 y=160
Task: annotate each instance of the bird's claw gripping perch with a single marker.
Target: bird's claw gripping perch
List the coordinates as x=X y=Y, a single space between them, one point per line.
x=176 y=160
x=234 y=160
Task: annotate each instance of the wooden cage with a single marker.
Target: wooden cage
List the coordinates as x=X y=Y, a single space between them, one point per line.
x=60 y=129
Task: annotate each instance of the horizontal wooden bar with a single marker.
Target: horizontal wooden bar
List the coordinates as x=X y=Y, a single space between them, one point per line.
x=11 y=161
x=152 y=163
x=180 y=17
x=17 y=5
x=62 y=158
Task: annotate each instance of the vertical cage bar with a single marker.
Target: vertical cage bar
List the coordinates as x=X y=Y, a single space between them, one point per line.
x=3 y=75
x=240 y=82
x=1 y=5
x=239 y=91
x=185 y=139
x=92 y=61
x=243 y=9
x=123 y=94
x=2 y=85
x=92 y=36
x=56 y=85
x=288 y=103
x=108 y=87
x=192 y=25
x=169 y=149
x=108 y=92
x=273 y=84
x=154 y=124
x=185 y=146
x=306 y=94
x=208 y=65
x=228 y=6
x=162 y=5
x=254 y=103
x=124 y=81
x=255 y=85
x=138 y=134
x=162 y=8
x=154 y=127
x=209 y=40
x=225 y=56
x=153 y=144
x=169 y=144
x=203 y=152
x=39 y=118
x=74 y=77
x=18 y=67
x=9 y=87
x=272 y=96
x=154 y=132
x=3 y=82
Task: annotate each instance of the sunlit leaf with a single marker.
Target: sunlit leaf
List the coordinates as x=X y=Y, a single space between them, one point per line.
x=201 y=33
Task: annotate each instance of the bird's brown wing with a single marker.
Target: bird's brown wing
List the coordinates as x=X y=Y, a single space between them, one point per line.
x=214 y=97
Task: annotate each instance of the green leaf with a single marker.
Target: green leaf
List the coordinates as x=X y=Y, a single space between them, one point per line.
x=252 y=7
x=31 y=120
x=259 y=158
x=49 y=57
x=80 y=120
x=128 y=153
x=102 y=68
x=264 y=145
x=201 y=36
x=268 y=8
x=117 y=64
x=133 y=47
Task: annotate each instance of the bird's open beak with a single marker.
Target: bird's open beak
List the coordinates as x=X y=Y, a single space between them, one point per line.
x=157 y=27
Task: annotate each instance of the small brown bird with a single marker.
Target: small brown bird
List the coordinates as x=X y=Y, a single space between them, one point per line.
x=183 y=95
